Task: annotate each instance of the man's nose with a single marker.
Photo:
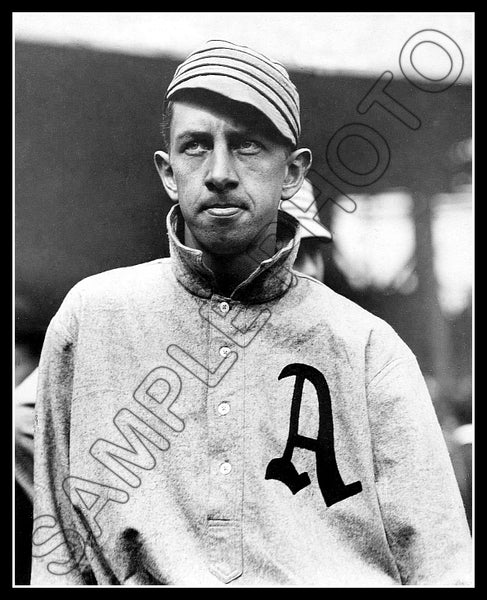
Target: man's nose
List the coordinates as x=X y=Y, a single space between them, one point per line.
x=221 y=176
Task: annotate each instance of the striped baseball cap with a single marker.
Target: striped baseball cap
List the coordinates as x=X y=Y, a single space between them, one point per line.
x=243 y=75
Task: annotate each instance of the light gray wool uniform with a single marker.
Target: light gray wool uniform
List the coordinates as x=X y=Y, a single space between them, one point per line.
x=279 y=436
x=171 y=395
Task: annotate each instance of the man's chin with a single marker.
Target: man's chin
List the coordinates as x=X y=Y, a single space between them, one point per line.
x=230 y=242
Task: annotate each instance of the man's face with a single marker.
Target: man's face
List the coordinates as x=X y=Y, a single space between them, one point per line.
x=228 y=174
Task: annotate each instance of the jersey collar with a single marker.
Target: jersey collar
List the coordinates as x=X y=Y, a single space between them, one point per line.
x=271 y=278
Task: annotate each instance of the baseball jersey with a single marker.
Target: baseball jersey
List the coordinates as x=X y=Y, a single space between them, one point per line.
x=280 y=436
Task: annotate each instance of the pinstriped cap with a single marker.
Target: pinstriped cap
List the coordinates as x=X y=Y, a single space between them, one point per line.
x=243 y=75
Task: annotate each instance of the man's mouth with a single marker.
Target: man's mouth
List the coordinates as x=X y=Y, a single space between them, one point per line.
x=223 y=209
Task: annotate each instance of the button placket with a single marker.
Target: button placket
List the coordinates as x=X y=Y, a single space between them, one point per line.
x=225 y=443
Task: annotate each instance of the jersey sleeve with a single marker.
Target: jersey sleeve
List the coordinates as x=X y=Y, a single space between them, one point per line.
x=420 y=502
x=58 y=541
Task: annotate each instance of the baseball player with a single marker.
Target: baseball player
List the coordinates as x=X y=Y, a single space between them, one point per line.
x=217 y=418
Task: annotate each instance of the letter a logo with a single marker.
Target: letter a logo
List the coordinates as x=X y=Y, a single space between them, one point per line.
x=282 y=469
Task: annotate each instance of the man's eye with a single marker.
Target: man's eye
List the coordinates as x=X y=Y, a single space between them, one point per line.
x=195 y=147
x=249 y=147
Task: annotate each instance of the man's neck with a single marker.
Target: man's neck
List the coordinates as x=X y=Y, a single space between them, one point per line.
x=232 y=269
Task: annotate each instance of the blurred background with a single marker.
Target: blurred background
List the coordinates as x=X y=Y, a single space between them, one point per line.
x=88 y=97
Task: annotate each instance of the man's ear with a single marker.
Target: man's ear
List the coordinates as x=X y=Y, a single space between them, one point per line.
x=298 y=164
x=163 y=166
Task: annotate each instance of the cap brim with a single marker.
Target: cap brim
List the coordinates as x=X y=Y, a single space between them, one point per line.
x=309 y=228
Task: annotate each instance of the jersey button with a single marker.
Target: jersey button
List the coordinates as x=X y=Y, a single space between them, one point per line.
x=225 y=468
x=224 y=307
x=223 y=408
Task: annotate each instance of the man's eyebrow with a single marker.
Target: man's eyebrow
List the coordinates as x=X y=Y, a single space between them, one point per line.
x=191 y=133
x=239 y=132
x=245 y=130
